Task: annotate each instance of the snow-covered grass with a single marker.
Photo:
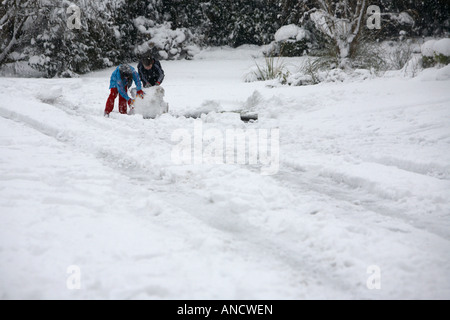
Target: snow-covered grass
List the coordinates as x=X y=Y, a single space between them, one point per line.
x=363 y=185
x=272 y=68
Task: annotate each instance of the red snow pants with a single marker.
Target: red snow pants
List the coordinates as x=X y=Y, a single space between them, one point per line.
x=110 y=103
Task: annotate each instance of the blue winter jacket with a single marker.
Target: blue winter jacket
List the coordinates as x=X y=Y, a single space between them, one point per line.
x=116 y=82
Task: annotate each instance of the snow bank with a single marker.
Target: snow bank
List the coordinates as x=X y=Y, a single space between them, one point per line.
x=434 y=74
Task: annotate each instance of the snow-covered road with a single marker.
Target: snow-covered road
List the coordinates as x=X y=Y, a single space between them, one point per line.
x=361 y=196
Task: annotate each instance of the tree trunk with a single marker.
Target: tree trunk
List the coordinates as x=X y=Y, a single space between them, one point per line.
x=342 y=21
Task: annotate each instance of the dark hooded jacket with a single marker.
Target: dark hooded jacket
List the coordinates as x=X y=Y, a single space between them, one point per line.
x=152 y=76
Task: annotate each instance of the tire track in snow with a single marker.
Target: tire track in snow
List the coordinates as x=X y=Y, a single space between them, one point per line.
x=309 y=266
x=359 y=192
x=252 y=243
x=142 y=180
x=369 y=221
x=313 y=262
x=299 y=263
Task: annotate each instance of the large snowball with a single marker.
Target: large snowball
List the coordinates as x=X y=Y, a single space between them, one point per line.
x=153 y=104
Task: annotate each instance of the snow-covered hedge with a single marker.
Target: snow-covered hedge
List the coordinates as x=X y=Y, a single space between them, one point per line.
x=45 y=44
x=36 y=32
x=162 y=41
x=291 y=41
x=436 y=52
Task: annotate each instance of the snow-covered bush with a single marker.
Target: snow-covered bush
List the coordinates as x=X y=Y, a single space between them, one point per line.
x=50 y=47
x=436 y=52
x=309 y=72
x=413 y=66
x=315 y=70
x=369 y=55
x=162 y=41
x=398 y=54
x=291 y=41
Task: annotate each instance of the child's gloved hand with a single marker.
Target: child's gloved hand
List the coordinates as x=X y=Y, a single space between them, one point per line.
x=140 y=94
x=131 y=103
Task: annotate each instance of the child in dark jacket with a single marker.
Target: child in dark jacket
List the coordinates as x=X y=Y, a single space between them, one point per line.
x=121 y=79
x=150 y=72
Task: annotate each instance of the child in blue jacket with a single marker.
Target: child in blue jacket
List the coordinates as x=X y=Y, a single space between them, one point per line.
x=121 y=79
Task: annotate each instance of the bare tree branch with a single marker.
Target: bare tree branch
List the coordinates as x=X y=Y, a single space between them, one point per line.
x=18 y=24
